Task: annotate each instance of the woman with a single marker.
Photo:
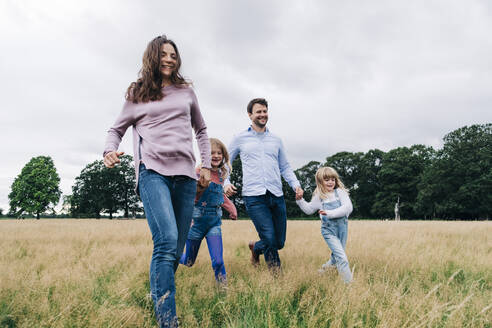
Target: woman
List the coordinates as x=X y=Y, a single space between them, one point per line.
x=162 y=108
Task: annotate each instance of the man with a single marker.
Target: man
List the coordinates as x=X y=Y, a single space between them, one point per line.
x=263 y=162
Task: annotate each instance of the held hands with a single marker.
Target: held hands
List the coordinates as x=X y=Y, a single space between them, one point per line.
x=111 y=158
x=204 y=179
x=323 y=213
x=230 y=190
x=299 y=193
x=199 y=189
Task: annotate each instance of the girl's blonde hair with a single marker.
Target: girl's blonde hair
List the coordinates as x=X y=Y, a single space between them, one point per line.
x=225 y=166
x=326 y=172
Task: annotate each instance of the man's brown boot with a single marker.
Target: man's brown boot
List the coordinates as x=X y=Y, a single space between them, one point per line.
x=255 y=258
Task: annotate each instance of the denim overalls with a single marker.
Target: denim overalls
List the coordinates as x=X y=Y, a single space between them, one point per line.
x=207 y=214
x=335 y=233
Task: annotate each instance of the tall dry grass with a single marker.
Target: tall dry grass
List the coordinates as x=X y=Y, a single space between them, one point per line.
x=94 y=273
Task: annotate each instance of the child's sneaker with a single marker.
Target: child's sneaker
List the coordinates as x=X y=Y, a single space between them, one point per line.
x=221 y=287
x=327 y=266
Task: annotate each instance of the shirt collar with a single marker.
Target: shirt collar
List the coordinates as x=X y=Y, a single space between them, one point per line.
x=250 y=129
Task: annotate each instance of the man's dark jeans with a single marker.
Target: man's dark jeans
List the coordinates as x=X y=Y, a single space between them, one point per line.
x=268 y=213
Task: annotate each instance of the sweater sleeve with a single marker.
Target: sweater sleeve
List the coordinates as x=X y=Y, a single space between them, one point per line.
x=117 y=131
x=229 y=207
x=311 y=207
x=200 y=128
x=344 y=210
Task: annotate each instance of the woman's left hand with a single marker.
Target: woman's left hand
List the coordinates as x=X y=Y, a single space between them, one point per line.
x=204 y=179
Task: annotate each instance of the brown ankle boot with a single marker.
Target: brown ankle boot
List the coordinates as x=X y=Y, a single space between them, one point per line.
x=255 y=258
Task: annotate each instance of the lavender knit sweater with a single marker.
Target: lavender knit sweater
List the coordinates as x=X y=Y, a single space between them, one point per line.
x=162 y=137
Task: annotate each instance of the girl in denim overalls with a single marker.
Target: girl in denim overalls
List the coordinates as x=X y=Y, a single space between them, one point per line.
x=207 y=214
x=333 y=203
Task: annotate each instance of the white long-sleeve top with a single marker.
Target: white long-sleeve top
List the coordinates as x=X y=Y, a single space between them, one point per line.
x=316 y=204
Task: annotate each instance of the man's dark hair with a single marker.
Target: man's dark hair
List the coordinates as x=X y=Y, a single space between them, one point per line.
x=260 y=101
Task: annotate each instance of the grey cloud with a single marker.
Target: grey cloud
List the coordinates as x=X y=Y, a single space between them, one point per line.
x=350 y=75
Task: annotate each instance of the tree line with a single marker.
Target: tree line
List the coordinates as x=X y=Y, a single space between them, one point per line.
x=97 y=191
x=454 y=182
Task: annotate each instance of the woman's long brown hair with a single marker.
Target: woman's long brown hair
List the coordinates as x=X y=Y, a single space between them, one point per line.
x=148 y=86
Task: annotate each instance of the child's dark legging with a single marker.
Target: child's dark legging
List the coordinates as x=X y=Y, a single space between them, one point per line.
x=215 y=249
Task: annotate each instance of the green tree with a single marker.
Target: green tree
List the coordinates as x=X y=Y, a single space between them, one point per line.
x=36 y=188
x=399 y=175
x=87 y=197
x=98 y=189
x=364 y=191
x=347 y=166
x=458 y=184
x=131 y=202
x=236 y=179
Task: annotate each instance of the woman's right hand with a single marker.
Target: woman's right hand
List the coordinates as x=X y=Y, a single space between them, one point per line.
x=111 y=158
x=204 y=179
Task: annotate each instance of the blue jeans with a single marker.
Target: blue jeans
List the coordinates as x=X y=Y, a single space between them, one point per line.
x=269 y=216
x=168 y=204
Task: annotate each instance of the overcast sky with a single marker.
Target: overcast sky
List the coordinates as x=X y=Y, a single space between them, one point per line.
x=338 y=75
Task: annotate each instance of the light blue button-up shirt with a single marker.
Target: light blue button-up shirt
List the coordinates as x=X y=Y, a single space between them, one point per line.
x=264 y=162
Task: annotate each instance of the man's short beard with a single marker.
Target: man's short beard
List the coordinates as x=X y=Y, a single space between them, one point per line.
x=260 y=125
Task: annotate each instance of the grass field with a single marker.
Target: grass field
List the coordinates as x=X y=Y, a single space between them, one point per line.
x=94 y=273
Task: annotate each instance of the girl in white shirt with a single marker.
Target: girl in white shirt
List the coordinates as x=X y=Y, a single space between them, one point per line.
x=333 y=204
